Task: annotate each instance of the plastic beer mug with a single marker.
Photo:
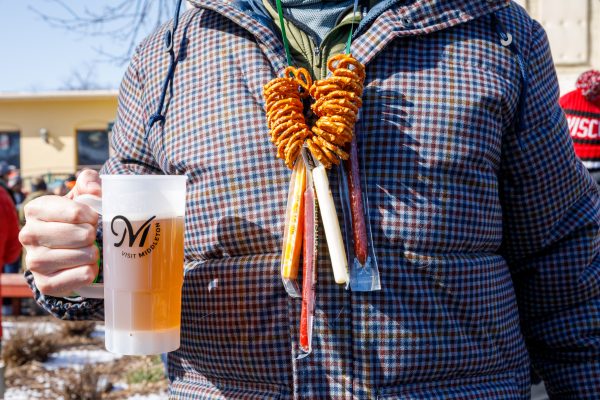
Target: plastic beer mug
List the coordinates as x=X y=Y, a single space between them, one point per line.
x=143 y=223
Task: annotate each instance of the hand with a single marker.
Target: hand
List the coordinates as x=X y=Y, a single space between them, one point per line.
x=59 y=238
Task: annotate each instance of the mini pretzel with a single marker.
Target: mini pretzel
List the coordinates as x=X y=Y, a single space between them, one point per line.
x=292 y=151
x=337 y=140
x=337 y=101
x=317 y=152
x=330 y=146
x=301 y=78
x=336 y=126
x=285 y=112
x=343 y=61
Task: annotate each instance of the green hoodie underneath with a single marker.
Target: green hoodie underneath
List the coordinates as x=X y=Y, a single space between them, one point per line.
x=305 y=52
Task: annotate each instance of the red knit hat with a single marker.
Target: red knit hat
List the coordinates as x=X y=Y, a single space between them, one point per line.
x=582 y=107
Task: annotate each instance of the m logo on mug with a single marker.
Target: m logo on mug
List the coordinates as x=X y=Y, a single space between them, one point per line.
x=143 y=229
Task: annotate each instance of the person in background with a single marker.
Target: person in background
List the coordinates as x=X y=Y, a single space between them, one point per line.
x=58 y=188
x=15 y=184
x=582 y=108
x=70 y=182
x=10 y=248
x=4 y=171
x=38 y=189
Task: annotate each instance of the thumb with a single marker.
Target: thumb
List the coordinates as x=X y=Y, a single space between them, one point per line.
x=88 y=182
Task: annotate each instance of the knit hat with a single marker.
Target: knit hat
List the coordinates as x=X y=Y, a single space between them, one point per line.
x=582 y=107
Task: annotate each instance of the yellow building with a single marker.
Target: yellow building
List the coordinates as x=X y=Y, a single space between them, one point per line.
x=55 y=133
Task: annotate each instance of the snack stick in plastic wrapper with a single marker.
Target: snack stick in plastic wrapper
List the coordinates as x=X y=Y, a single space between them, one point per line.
x=359 y=230
x=294 y=220
x=331 y=225
x=309 y=269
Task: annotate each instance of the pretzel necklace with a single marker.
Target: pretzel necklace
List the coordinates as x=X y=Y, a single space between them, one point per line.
x=337 y=101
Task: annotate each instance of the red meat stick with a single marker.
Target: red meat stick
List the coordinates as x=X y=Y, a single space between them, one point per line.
x=359 y=229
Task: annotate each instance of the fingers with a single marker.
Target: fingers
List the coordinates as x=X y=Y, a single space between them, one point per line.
x=45 y=261
x=57 y=272
x=88 y=182
x=63 y=282
x=59 y=209
x=57 y=235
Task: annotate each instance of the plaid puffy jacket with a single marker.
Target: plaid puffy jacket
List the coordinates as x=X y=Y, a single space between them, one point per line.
x=484 y=222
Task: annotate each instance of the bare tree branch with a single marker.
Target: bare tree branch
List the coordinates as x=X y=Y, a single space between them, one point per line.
x=122 y=20
x=83 y=79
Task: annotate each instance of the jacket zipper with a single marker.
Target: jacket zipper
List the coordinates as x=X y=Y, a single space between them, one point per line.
x=320 y=50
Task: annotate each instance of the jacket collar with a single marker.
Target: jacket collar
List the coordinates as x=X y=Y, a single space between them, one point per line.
x=388 y=20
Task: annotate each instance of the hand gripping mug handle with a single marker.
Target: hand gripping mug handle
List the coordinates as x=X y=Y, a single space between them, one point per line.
x=95 y=290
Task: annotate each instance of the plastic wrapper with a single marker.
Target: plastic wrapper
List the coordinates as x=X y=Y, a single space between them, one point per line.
x=364 y=271
x=294 y=222
x=309 y=267
x=331 y=224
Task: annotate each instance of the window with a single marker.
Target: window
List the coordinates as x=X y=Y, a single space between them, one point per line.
x=92 y=148
x=10 y=148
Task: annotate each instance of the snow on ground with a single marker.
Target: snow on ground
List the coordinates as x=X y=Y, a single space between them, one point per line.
x=98 y=331
x=155 y=396
x=22 y=394
x=65 y=358
x=9 y=327
x=78 y=358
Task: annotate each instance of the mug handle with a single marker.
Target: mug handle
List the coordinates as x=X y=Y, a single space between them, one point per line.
x=95 y=290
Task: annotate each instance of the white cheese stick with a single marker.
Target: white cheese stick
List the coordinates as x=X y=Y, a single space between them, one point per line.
x=333 y=234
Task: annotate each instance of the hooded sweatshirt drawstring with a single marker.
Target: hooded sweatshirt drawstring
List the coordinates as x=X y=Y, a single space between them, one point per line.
x=168 y=43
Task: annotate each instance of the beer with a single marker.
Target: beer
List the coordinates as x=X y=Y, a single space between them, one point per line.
x=143 y=261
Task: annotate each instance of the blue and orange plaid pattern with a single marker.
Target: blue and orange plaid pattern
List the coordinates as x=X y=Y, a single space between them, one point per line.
x=486 y=234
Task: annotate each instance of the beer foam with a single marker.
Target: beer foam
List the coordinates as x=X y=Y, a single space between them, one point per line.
x=141 y=204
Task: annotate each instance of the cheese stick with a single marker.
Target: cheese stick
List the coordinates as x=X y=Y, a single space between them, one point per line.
x=331 y=225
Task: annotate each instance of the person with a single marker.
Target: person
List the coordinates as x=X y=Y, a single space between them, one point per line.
x=14 y=184
x=38 y=189
x=69 y=182
x=582 y=108
x=484 y=222
x=10 y=248
x=57 y=188
x=4 y=172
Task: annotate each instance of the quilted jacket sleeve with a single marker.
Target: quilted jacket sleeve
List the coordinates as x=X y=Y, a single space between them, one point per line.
x=131 y=151
x=551 y=220
x=131 y=156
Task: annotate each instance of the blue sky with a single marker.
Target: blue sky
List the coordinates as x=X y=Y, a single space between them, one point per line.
x=37 y=57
